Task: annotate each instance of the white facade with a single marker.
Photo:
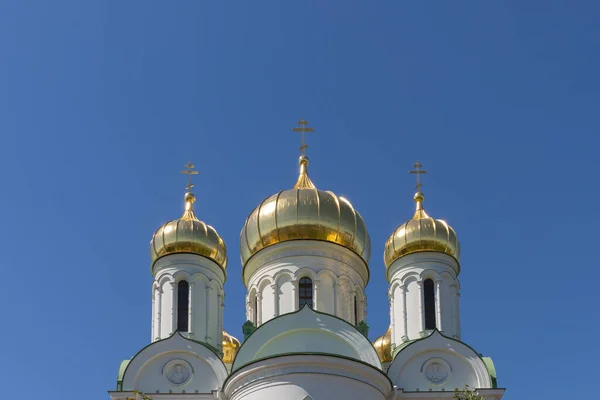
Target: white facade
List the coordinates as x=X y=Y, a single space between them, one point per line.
x=407 y=309
x=338 y=275
x=305 y=353
x=205 y=298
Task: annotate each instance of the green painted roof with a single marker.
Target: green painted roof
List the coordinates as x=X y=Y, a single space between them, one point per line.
x=121 y=373
x=489 y=364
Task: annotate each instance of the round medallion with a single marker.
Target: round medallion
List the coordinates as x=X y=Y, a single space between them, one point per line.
x=178 y=372
x=436 y=370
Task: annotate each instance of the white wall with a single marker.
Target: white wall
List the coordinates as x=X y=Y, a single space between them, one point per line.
x=336 y=272
x=296 y=377
x=206 y=280
x=406 y=276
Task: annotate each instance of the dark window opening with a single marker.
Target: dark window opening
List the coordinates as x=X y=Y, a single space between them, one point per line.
x=429 y=300
x=255 y=311
x=305 y=292
x=183 y=293
x=355 y=312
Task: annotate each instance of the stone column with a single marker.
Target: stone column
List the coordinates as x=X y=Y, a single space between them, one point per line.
x=392 y=307
x=191 y=308
x=275 y=300
x=220 y=304
x=438 y=304
x=158 y=295
x=403 y=311
x=258 y=309
x=457 y=312
x=249 y=313
x=315 y=294
x=336 y=300
x=207 y=338
x=153 y=329
x=421 y=309
x=295 y=301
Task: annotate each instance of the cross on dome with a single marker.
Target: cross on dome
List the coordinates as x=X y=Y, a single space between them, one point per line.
x=303 y=128
x=418 y=171
x=189 y=172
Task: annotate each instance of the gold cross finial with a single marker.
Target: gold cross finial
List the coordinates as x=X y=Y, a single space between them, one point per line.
x=189 y=172
x=303 y=127
x=418 y=171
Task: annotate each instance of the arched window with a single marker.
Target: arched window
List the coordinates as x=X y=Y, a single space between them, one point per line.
x=183 y=293
x=355 y=311
x=305 y=292
x=429 y=303
x=255 y=310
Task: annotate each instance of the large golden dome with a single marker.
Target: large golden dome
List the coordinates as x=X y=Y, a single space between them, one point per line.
x=302 y=213
x=421 y=233
x=188 y=235
x=383 y=346
x=230 y=347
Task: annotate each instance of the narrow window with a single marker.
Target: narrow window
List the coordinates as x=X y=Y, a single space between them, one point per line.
x=429 y=301
x=255 y=311
x=355 y=312
x=183 y=294
x=305 y=292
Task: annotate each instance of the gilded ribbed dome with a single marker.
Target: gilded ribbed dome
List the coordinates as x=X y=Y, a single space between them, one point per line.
x=188 y=235
x=230 y=347
x=421 y=233
x=301 y=213
x=383 y=346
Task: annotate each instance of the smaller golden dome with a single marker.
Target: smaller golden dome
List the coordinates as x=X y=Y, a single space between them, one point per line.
x=188 y=235
x=383 y=346
x=421 y=233
x=230 y=347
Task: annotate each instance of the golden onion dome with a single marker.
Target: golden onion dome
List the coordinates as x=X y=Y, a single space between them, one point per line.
x=188 y=235
x=304 y=213
x=230 y=347
x=383 y=346
x=421 y=233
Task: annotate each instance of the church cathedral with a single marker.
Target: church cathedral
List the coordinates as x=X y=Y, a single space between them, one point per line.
x=305 y=264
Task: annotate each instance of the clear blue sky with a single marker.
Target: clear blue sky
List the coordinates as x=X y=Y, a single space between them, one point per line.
x=101 y=104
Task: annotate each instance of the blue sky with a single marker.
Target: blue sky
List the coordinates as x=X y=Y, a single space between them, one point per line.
x=101 y=104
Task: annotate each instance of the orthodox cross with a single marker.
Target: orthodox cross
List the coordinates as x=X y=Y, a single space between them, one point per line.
x=418 y=171
x=189 y=172
x=303 y=128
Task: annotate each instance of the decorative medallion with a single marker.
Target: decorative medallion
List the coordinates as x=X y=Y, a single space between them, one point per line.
x=178 y=372
x=436 y=370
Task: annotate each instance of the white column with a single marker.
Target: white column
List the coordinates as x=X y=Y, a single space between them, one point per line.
x=421 y=307
x=159 y=293
x=259 y=309
x=457 y=312
x=152 y=336
x=336 y=300
x=173 y=306
x=275 y=300
x=220 y=304
x=438 y=304
x=249 y=314
x=392 y=316
x=191 y=308
x=295 y=301
x=315 y=294
x=363 y=308
x=403 y=311
x=208 y=305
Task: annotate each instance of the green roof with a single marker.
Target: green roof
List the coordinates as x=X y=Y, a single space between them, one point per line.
x=121 y=373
